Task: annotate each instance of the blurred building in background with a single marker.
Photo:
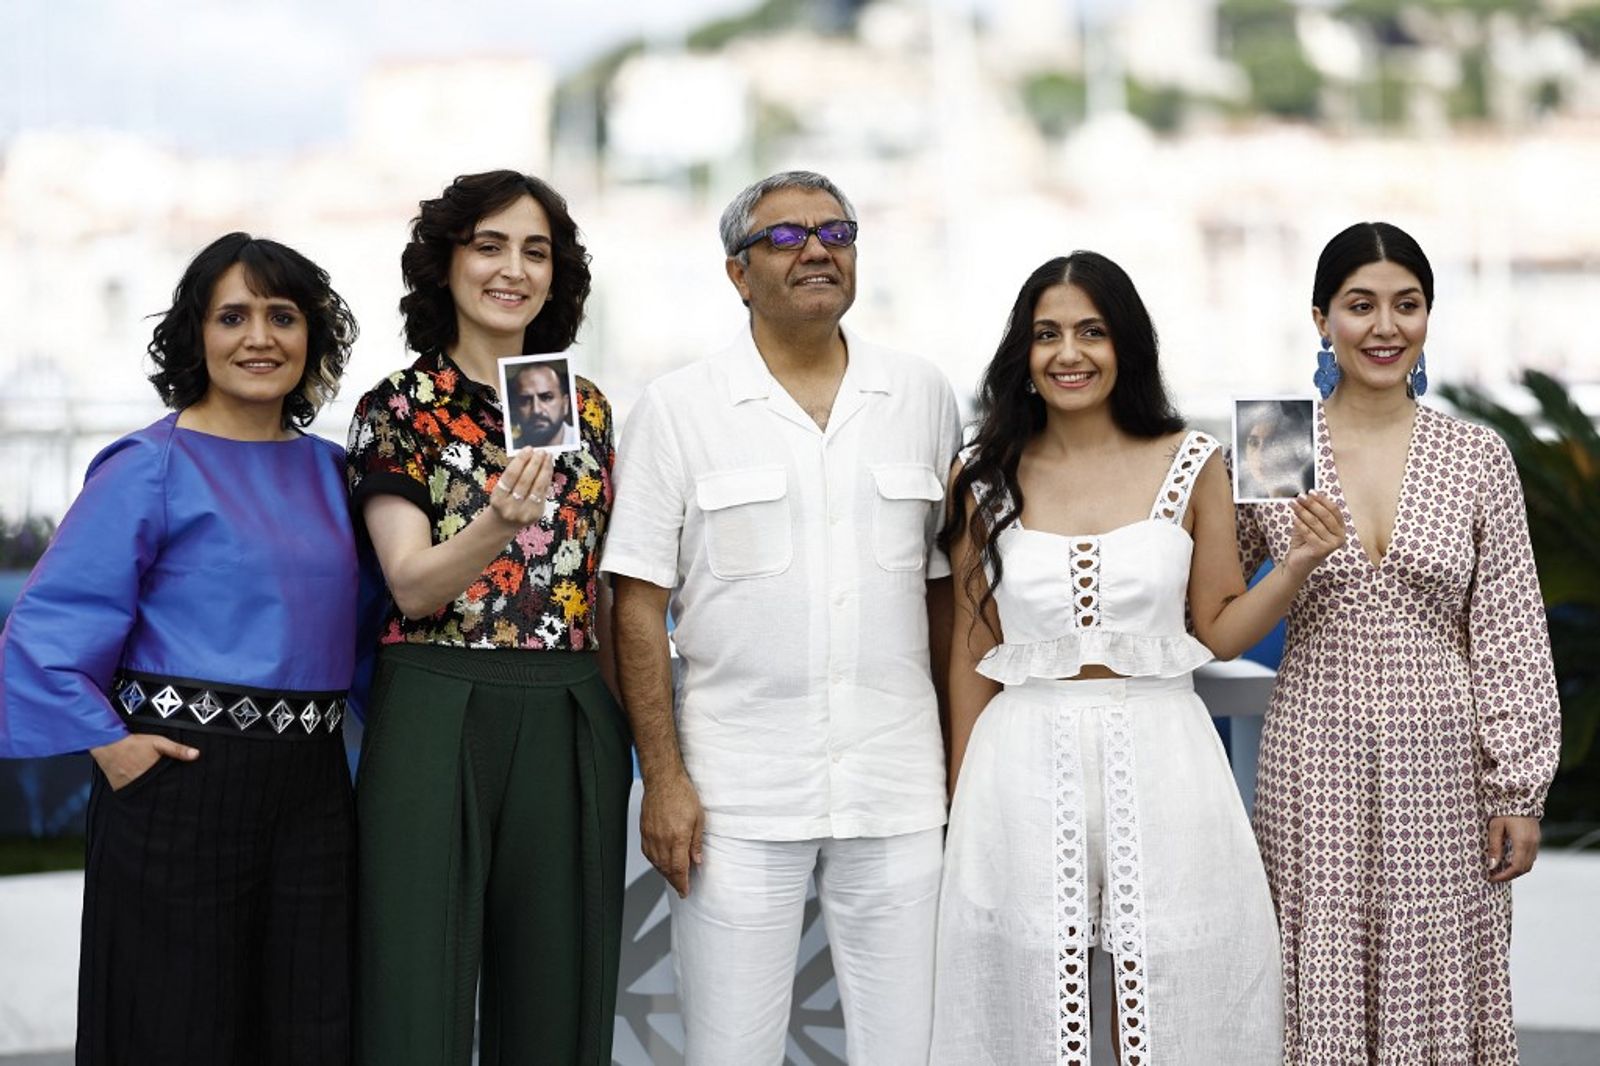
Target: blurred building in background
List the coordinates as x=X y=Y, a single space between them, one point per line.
x=1210 y=146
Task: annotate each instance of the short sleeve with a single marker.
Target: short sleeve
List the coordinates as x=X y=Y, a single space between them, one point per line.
x=949 y=445
x=385 y=454
x=1513 y=678
x=63 y=642
x=648 y=513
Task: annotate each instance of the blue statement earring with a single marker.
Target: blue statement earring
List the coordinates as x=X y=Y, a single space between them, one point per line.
x=1327 y=375
x=1417 y=381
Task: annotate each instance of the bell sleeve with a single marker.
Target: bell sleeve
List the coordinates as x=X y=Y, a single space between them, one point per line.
x=1513 y=678
x=63 y=641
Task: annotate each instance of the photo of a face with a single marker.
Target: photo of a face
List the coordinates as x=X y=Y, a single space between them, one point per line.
x=1274 y=448
x=537 y=395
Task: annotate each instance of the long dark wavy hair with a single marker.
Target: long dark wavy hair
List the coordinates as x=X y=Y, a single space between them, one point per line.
x=177 y=346
x=447 y=223
x=1009 y=415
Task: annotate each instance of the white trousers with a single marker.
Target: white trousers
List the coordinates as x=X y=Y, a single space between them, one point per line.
x=736 y=938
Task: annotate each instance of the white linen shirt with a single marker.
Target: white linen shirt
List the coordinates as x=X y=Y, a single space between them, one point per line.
x=798 y=560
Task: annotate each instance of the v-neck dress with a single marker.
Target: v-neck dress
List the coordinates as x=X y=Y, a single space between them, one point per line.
x=1415 y=700
x=1102 y=813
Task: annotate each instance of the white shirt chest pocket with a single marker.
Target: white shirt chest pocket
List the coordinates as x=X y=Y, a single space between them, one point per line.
x=747 y=521
x=907 y=497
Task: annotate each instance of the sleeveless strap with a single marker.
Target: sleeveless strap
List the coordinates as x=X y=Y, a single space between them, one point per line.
x=1173 y=499
x=994 y=500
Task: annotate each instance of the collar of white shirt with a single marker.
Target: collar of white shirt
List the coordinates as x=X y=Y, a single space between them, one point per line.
x=748 y=378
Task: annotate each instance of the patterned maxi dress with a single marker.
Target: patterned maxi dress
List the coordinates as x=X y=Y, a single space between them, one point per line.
x=1415 y=701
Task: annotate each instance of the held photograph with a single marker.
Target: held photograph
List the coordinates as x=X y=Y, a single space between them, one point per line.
x=537 y=394
x=1274 y=448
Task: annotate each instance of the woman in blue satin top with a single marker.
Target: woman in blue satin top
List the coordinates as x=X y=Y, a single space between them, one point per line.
x=193 y=626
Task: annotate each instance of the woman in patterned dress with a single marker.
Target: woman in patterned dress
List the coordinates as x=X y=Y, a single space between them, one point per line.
x=1093 y=801
x=495 y=769
x=1414 y=728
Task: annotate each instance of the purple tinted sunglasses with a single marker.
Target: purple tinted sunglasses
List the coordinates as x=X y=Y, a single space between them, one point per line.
x=787 y=236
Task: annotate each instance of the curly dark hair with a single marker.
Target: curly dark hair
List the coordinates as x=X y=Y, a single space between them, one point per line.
x=1009 y=415
x=447 y=223
x=177 y=345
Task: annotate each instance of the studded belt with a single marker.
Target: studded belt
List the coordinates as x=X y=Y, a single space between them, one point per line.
x=189 y=704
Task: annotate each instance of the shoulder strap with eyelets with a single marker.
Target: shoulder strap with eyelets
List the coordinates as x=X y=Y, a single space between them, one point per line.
x=1173 y=499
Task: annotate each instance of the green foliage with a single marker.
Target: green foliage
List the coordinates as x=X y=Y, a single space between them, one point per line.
x=1560 y=473
x=1260 y=36
x=1549 y=96
x=1484 y=8
x=23 y=541
x=766 y=17
x=1385 y=99
x=1561 y=478
x=1470 y=99
x=1282 y=81
x=1380 y=17
x=1243 y=18
x=1386 y=20
x=1055 y=101
x=1584 y=25
x=1161 y=107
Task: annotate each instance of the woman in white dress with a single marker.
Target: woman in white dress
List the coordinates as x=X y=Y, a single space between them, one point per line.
x=1095 y=806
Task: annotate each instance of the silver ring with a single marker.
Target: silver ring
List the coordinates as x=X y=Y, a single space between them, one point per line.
x=518 y=496
x=500 y=486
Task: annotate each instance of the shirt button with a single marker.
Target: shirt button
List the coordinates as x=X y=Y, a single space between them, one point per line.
x=837 y=679
x=834 y=519
x=840 y=598
x=838 y=756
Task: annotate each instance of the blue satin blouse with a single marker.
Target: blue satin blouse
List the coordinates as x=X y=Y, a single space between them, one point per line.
x=201 y=557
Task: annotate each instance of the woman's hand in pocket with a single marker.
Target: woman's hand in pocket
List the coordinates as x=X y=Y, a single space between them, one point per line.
x=130 y=758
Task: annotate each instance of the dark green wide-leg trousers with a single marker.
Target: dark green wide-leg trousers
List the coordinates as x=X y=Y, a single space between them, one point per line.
x=491 y=802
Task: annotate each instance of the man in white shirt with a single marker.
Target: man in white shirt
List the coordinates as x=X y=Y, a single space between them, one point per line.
x=783 y=497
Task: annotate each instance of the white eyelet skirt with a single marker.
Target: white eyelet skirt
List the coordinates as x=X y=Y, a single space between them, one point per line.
x=1103 y=813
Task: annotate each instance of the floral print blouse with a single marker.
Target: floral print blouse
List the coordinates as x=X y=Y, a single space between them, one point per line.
x=432 y=435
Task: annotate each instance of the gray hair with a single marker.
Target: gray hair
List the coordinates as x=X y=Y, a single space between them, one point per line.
x=735 y=225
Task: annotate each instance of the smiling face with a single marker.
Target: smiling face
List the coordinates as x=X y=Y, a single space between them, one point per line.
x=1072 y=362
x=500 y=278
x=808 y=283
x=255 y=345
x=538 y=405
x=1378 y=321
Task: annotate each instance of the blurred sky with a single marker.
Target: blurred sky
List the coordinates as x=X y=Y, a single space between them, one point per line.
x=243 y=76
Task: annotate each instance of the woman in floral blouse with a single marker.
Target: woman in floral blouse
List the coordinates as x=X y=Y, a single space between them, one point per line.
x=495 y=769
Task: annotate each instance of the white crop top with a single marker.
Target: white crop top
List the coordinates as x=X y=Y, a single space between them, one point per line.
x=1115 y=599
